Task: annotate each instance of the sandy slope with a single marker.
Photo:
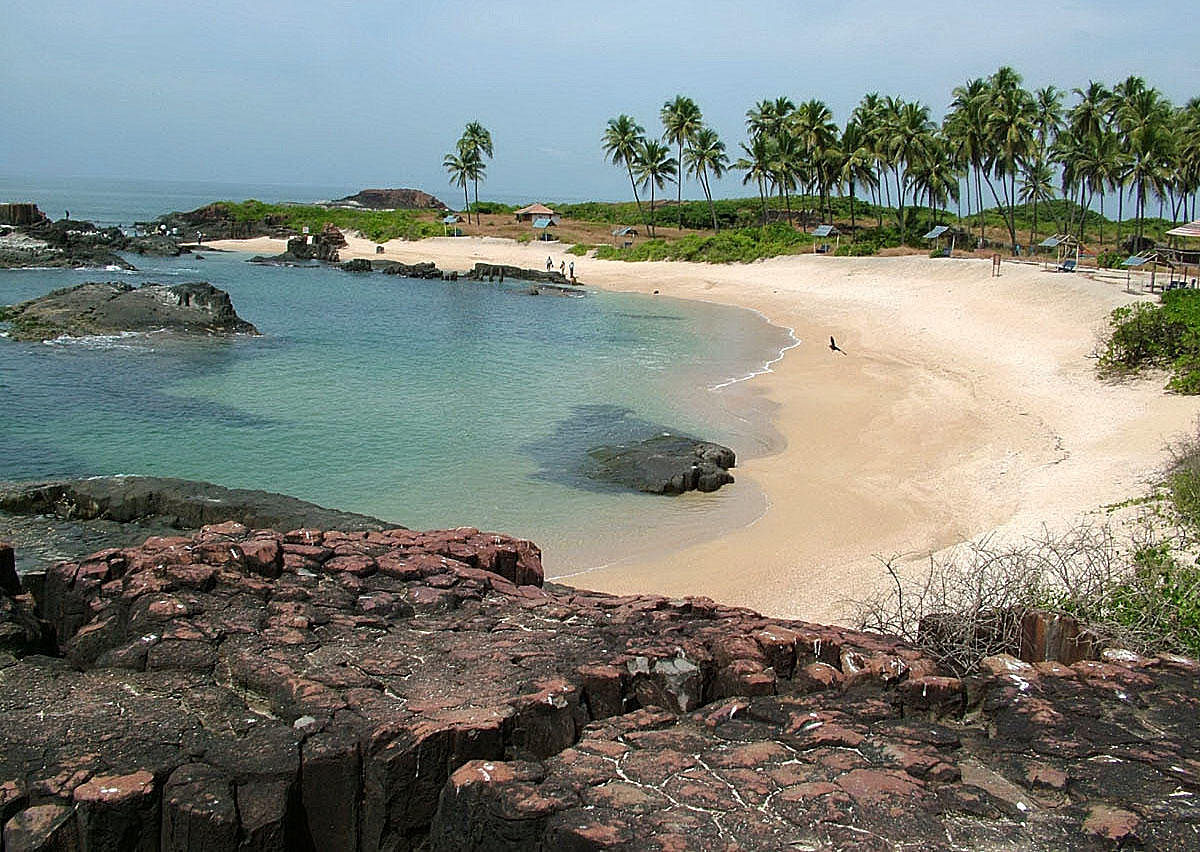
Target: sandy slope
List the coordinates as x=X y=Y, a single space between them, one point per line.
x=966 y=404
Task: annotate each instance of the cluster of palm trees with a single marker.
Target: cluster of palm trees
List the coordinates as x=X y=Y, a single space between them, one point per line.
x=1022 y=146
x=649 y=163
x=465 y=163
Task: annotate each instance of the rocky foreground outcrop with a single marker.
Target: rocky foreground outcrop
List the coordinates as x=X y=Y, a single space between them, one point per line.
x=250 y=690
x=664 y=464
x=97 y=308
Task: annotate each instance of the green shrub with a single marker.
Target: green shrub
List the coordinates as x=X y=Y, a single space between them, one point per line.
x=1165 y=335
x=1109 y=259
x=486 y=207
x=580 y=249
x=857 y=249
x=743 y=245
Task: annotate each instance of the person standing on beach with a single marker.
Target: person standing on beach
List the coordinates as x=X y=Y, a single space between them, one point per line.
x=572 y=270
x=549 y=263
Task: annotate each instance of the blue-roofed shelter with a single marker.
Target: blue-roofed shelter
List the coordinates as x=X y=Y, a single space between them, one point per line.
x=448 y=224
x=936 y=234
x=824 y=232
x=544 y=224
x=1066 y=250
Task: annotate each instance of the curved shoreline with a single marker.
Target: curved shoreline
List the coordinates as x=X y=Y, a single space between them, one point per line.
x=966 y=405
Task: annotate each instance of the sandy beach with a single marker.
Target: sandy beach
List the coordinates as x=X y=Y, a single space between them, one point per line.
x=965 y=404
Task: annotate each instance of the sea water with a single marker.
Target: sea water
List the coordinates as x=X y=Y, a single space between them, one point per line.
x=426 y=403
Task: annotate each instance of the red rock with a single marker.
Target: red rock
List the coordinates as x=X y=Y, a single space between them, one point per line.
x=1111 y=823
x=358 y=566
x=872 y=786
x=815 y=677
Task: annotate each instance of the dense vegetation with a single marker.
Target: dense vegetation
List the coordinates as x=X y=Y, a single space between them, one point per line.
x=377 y=225
x=1023 y=147
x=1165 y=335
x=743 y=246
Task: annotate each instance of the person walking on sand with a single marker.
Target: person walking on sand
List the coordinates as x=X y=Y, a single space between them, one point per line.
x=572 y=270
x=549 y=263
x=562 y=267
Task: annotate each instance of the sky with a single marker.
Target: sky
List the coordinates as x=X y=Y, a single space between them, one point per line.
x=376 y=93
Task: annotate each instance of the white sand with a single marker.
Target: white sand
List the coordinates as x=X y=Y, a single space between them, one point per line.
x=965 y=404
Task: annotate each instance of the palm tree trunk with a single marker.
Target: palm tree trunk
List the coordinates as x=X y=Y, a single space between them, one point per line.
x=679 y=186
x=638 y=201
x=979 y=200
x=652 y=234
x=1120 y=211
x=466 y=202
x=852 y=208
x=712 y=209
x=477 y=222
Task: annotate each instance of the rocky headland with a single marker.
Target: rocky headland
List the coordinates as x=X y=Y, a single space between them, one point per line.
x=663 y=464
x=254 y=690
x=99 y=308
x=390 y=199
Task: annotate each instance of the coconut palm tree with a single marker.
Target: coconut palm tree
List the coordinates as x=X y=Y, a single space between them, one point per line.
x=705 y=158
x=1144 y=120
x=463 y=167
x=934 y=176
x=622 y=140
x=756 y=163
x=682 y=120
x=477 y=141
x=857 y=162
x=816 y=133
x=654 y=167
x=868 y=116
x=965 y=127
x=1037 y=184
x=908 y=138
x=1011 y=132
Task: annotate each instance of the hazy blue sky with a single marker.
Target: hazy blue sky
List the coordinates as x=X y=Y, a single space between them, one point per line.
x=374 y=94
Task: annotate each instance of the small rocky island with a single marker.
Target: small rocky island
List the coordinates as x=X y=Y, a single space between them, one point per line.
x=664 y=464
x=96 y=308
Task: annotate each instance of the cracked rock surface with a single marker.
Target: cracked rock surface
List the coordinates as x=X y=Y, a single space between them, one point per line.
x=246 y=689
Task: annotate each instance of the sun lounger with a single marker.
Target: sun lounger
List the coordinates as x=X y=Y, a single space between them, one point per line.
x=1066 y=266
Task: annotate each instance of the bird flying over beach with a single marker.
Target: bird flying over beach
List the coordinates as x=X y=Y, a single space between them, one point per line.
x=833 y=345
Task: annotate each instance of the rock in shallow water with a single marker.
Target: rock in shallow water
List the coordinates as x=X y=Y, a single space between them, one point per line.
x=94 y=308
x=664 y=464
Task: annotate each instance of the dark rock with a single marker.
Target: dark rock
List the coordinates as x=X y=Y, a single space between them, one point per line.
x=112 y=308
x=359 y=264
x=664 y=464
x=158 y=245
x=494 y=271
x=409 y=270
x=390 y=199
x=182 y=504
x=10 y=583
x=64 y=243
x=214 y=222
x=42 y=828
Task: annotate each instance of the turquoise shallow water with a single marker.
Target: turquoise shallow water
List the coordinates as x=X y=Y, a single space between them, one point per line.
x=427 y=403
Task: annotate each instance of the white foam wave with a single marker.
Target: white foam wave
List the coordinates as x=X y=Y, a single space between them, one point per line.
x=132 y=341
x=768 y=367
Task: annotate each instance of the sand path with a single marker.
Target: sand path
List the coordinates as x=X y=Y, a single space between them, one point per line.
x=966 y=404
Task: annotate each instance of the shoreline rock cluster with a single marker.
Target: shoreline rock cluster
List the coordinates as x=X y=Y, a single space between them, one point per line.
x=100 y=308
x=254 y=690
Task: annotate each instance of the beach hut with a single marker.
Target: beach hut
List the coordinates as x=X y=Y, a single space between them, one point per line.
x=543 y=224
x=625 y=235
x=533 y=212
x=935 y=235
x=449 y=221
x=1066 y=249
x=824 y=232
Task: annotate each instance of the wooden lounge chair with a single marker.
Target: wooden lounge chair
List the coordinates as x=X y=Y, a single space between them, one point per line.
x=1066 y=266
